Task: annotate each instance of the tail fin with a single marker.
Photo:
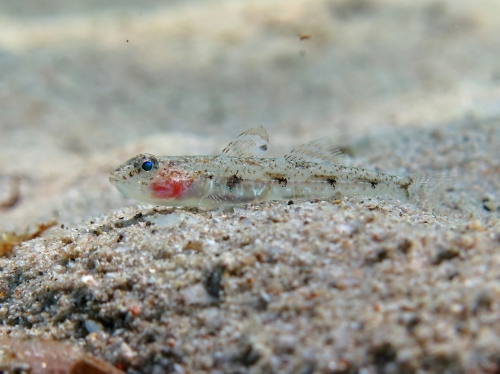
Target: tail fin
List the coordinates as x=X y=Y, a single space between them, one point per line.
x=428 y=186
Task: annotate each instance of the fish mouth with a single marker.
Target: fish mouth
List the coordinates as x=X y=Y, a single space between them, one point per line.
x=117 y=177
x=114 y=178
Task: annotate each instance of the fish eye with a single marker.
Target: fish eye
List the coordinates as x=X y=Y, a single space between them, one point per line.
x=147 y=166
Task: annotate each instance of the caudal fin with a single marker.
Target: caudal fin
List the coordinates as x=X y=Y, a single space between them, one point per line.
x=427 y=187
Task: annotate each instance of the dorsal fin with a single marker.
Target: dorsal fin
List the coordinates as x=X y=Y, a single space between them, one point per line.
x=318 y=151
x=250 y=143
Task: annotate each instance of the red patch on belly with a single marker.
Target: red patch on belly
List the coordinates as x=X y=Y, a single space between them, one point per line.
x=171 y=185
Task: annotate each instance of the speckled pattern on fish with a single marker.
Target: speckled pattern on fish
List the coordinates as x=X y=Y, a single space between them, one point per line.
x=240 y=175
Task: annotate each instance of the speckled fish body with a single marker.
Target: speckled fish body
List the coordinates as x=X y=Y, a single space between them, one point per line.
x=240 y=175
x=211 y=181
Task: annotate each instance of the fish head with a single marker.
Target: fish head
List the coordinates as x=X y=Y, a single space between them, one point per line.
x=146 y=178
x=134 y=177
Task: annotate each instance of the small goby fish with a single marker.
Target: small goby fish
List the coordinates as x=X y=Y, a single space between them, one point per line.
x=240 y=175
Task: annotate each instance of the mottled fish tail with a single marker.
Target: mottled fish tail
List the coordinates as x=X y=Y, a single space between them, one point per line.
x=427 y=186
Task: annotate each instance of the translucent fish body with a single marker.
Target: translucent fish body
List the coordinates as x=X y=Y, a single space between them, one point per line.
x=212 y=181
x=240 y=175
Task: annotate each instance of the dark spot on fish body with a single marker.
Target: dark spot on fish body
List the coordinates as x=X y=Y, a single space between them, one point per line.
x=282 y=180
x=233 y=181
x=331 y=181
x=249 y=161
x=131 y=174
x=374 y=184
x=406 y=186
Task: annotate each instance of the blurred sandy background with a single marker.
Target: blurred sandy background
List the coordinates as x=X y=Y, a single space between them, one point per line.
x=86 y=85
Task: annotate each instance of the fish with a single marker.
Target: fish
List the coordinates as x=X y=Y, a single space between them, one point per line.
x=241 y=175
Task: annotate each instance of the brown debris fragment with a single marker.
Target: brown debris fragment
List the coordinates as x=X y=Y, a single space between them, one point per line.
x=9 y=240
x=9 y=192
x=36 y=356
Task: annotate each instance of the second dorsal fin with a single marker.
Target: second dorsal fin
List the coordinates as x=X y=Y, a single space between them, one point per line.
x=318 y=151
x=250 y=143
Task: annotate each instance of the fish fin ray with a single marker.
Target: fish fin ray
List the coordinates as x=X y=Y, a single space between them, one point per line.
x=317 y=151
x=250 y=143
x=429 y=189
x=429 y=182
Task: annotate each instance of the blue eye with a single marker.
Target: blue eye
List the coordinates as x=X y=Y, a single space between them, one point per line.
x=147 y=166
